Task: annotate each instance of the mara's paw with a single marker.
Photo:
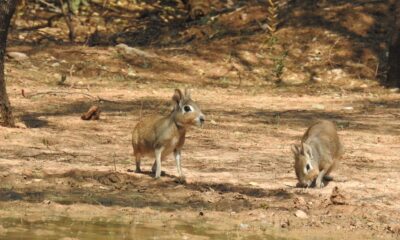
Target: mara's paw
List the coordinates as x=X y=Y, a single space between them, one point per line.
x=328 y=178
x=162 y=172
x=181 y=180
x=157 y=176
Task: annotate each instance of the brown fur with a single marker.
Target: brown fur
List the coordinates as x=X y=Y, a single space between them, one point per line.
x=318 y=153
x=160 y=136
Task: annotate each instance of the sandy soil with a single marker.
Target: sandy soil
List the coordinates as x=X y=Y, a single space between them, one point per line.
x=59 y=171
x=65 y=178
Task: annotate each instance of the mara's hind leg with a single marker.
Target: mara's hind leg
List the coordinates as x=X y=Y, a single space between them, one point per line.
x=154 y=167
x=138 y=159
x=327 y=176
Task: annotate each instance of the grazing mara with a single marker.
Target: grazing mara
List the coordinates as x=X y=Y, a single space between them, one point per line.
x=318 y=154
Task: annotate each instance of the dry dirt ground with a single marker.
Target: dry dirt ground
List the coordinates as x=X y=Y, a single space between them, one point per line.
x=65 y=178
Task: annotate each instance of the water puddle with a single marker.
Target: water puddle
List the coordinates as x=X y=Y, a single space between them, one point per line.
x=66 y=228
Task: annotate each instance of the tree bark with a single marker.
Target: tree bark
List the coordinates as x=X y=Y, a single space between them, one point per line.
x=7 y=9
x=393 y=77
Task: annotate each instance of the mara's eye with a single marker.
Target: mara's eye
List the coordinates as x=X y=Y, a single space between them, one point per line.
x=308 y=167
x=187 y=108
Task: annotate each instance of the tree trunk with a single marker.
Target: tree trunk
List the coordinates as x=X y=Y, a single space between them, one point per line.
x=393 y=77
x=7 y=9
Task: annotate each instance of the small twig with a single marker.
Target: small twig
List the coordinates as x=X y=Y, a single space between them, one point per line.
x=50 y=5
x=38 y=27
x=141 y=108
x=98 y=98
x=71 y=70
x=80 y=88
x=62 y=92
x=330 y=52
x=115 y=165
x=377 y=69
x=55 y=154
x=105 y=100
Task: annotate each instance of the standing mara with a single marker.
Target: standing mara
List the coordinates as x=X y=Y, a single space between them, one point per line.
x=159 y=136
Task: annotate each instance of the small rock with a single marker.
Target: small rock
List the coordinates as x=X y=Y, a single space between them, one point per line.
x=264 y=26
x=318 y=106
x=394 y=228
x=244 y=226
x=21 y=125
x=337 y=197
x=46 y=202
x=253 y=183
x=299 y=202
x=394 y=90
x=213 y=122
x=364 y=86
x=56 y=64
x=17 y=56
x=348 y=108
x=301 y=214
x=134 y=51
x=201 y=214
x=4 y=174
x=317 y=79
x=132 y=73
x=285 y=224
x=292 y=77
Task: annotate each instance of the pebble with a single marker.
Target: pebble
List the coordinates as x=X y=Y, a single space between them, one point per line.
x=17 y=56
x=318 y=106
x=301 y=214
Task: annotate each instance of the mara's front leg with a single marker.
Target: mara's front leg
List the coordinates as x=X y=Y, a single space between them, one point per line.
x=318 y=182
x=177 y=155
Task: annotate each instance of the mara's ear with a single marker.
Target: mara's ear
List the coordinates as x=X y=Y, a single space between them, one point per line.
x=295 y=149
x=178 y=96
x=307 y=150
x=187 y=93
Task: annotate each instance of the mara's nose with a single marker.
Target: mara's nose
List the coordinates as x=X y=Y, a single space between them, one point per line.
x=202 y=119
